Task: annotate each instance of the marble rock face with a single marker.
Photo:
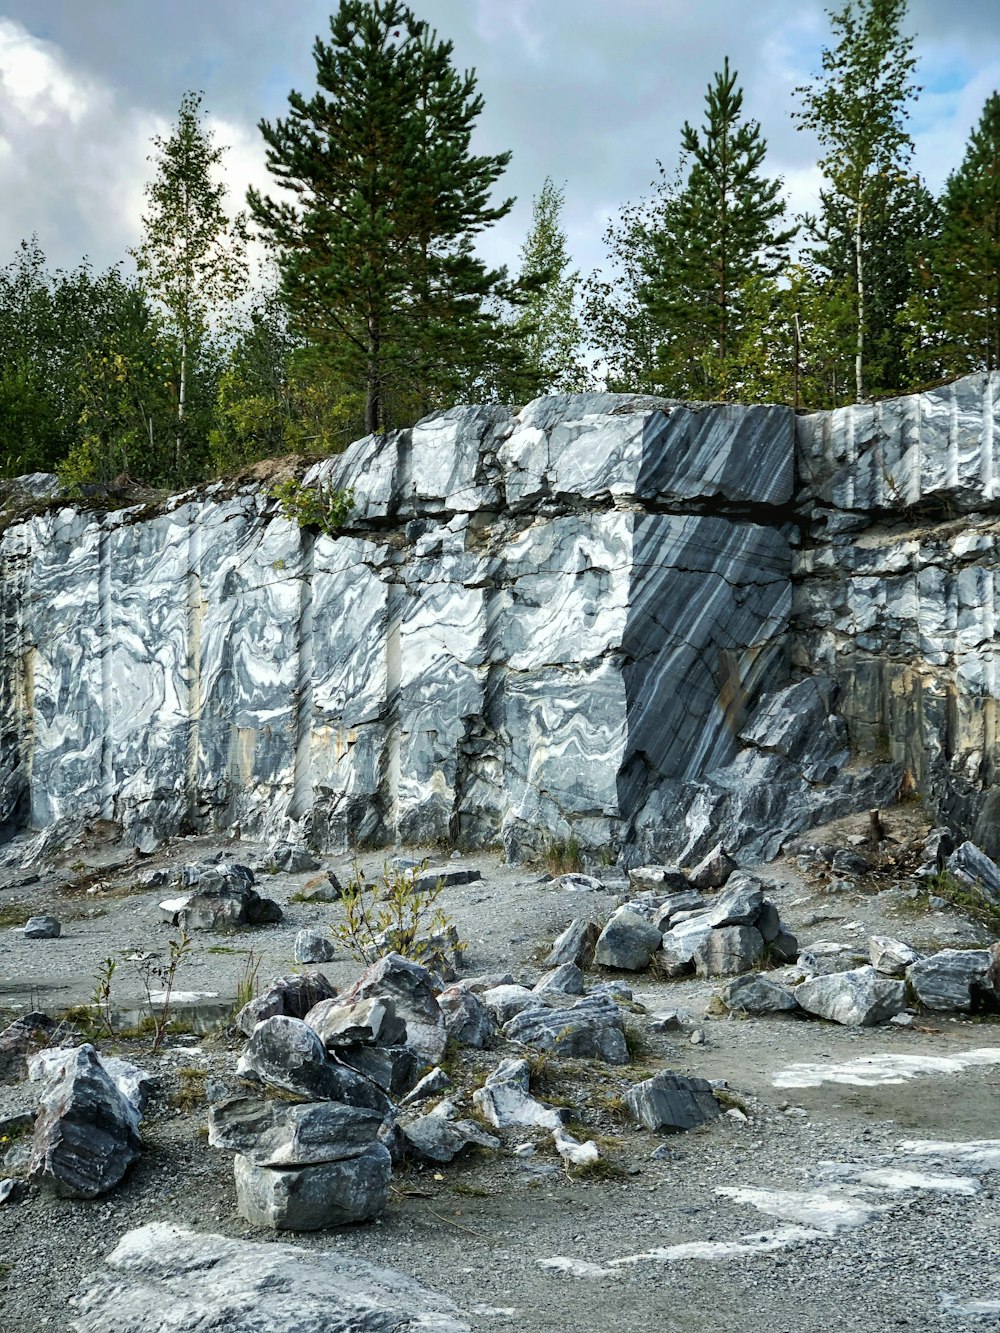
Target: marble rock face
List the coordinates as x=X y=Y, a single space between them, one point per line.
x=594 y=619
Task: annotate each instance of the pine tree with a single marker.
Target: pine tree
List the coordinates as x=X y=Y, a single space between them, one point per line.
x=547 y=327
x=191 y=258
x=376 y=247
x=720 y=232
x=858 y=111
x=966 y=258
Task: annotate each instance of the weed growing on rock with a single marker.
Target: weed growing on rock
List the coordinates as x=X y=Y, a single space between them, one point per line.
x=323 y=507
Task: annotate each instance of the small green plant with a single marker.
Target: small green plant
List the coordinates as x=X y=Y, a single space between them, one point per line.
x=14 y=914
x=323 y=507
x=394 y=916
x=562 y=857
x=968 y=898
x=153 y=974
x=101 y=996
x=636 y=1042
x=247 y=986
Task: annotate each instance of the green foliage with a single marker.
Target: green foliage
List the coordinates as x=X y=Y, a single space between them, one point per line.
x=247 y=985
x=153 y=975
x=101 y=996
x=322 y=507
x=375 y=244
x=190 y=1093
x=562 y=856
x=393 y=916
x=547 y=328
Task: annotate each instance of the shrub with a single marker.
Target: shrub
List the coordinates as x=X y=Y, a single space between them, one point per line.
x=322 y=507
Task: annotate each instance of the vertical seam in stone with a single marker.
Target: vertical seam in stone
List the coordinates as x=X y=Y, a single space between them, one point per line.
x=195 y=611
x=988 y=462
x=302 y=769
x=105 y=653
x=396 y=597
x=852 y=457
x=953 y=439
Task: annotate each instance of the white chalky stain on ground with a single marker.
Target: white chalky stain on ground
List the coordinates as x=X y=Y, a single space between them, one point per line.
x=895 y=1179
x=984 y=1153
x=575 y=1267
x=871 y=1070
x=954 y=1305
x=824 y=1211
x=762 y=1242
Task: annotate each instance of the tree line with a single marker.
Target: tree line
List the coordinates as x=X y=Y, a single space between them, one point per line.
x=376 y=308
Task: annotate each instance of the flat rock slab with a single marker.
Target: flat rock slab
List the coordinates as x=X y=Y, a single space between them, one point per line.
x=591 y=1029
x=274 y=1133
x=311 y=1198
x=860 y=997
x=757 y=994
x=164 y=1278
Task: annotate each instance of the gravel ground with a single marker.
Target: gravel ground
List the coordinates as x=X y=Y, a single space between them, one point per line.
x=480 y=1229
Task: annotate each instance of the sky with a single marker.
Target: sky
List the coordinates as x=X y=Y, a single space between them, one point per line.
x=590 y=92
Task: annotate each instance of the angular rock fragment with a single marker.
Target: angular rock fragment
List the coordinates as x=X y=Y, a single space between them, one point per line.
x=577 y=883
x=363 y=1023
x=42 y=928
x=412 y=990
x=440 y=1135
x=309 y=1198
x=675 y=957
x=666 y=879
x=951 y=979
x=757 y=994
x=889 y=956
x=325 y=888
x=976 y=870
x=627 y=942
x=566 y=979
x=272 y=1133
x=292 y=857
x=314 y=946
x=503 y=1002
x=591 y=1029
x=287 y=1053
x=575 y=945
x=671 y=1102
x=466 y=1018
x=429 y=1086
x=728 y=950
x=286 y=997
x=740 y=902
x=448 y=877
x=505 y=1099
x=860 y=997
x=86 y=1133
x=18 y=1040
x=394 y=1069
x=713 y=870
x=677 y=906
x=166 y=1277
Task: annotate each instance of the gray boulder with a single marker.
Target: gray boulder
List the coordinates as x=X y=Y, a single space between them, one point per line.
x=713 y=870
x=627 y=942
x=394 y=1069
x=861 y=997
x=739 y=904
x=666 y=879
x=18 y=1040
x=677 y=905
x=363 y=1023
x=567 y=979
x=467 y=1020
x=440 y=1135
x=503 y=1002
x=42 y=928
x=448 y=877
x=952 y=979
x=576 y=944
x=292 y=857
x=505 y=1100
x=324 y=888
x=285 y=997
x=162 y=1278
x=784 y=948
x=891 y=957
x=412 y=990
x=591 y=1029
x=86 y=1132
x=757 y=994
x=310 y=1198
x=286 y=1053
x=270 y=1133
x=976 y=870
x=671 y=1102
x=728 y=950
x=680 y=944
x=314 y=946
x=432 y=1083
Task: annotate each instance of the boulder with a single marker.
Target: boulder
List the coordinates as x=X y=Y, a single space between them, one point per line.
x=567 y=979
x=671 y=1102
x=467 y=1020
x=951 y=979
x=26 y=1034
x=575 y=882
x=576 y=944
x=309 y=1198
x=861 y=997
x=677 y=905
x=891 y=957
x=739 y=904
x=680 y=944
x=86 y=1132
x=449 y=877
x=728 y=950
x=591 y=1029
x=324 y=888
x=433 y=1082
x=271 y=1133
x=784 y=948
x=757 y=994
x=412 y=990
x=285 y=997
x=440 y=1136
x=42 y=928
x=363 y=1023
x=503 y=1002
x=314 y=946
x=394 y=1069
x=286 y=1053
x=666 y=879
x=134 y=1083
x=163 y=1277
x=505 y=1100
x=292 y=857
x=713 y=870
x=975 y=869
x=627 y=942
x=768 y=922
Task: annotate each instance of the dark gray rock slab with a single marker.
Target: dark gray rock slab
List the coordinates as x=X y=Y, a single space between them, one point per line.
x=575 y=945
x=310 y=1198
x=952 y=979
x=757 y=994
x=976 y=870
x=42 y=928
x=361 y=1023
x=567 y=979
x=314 y=946
x=286 y=1053
x=273 y=1133
x=591 y=1029
x=441 y=1135
x=86 y=1133
x=726 y=951
x=627 y=942
x=394 y=1069
x=739 y=904
x=860 y=997
x=467 y=1019
x=670 y=1102
x=713 y=870
x=285 y=997
x=413 y=992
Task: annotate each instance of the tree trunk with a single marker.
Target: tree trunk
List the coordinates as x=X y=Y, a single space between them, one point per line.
x=181 y=400
x=374 y=407
x=860 y=347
